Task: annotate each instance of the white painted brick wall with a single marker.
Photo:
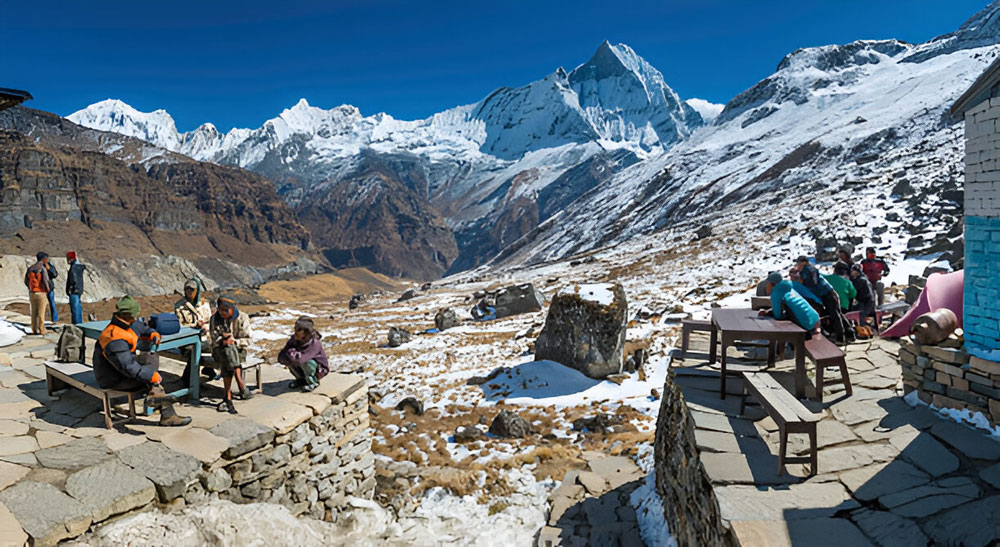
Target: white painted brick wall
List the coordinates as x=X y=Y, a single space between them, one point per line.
x=982 y=159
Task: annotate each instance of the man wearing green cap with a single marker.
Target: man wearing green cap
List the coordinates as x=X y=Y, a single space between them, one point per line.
x=116 y=366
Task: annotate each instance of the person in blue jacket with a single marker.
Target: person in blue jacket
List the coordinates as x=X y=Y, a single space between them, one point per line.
x=788 y=304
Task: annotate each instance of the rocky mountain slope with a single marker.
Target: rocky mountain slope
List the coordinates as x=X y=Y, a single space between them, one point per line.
x=481 y=168
x=58 y=192
x=853 y=139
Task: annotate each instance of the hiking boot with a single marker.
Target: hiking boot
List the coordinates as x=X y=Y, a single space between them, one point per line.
x=157 y=397
x=226 y=406
x=246 y=394
x=309 y=387
x=169 y=417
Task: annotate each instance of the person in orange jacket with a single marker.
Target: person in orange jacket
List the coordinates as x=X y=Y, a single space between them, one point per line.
x=116 y=366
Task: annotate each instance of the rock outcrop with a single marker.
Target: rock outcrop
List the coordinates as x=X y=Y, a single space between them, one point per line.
x=585 y=329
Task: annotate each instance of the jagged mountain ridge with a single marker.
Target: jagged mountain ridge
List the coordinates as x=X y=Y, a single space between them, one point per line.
x=477 y=165
x=832 y=124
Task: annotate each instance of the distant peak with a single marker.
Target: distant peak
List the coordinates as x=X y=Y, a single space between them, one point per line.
x=301 y=104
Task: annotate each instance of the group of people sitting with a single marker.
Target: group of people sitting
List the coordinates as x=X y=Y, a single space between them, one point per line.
x=125 y=356
x=807 y=294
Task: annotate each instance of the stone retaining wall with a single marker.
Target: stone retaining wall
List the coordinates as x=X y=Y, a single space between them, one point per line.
x=948 y=377
x=690 y=506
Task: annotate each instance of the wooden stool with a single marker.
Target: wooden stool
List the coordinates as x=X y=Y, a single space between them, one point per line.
x=689 y=325
x=826 y=354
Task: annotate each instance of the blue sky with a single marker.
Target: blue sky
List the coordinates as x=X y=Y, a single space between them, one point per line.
x=240 y=63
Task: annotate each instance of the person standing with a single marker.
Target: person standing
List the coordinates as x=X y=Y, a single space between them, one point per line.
x=74 y=287
x=39 y=285
x=304 y=356
x=875 y=268
x=53 y=273
x=229 y=332
x=818 y=284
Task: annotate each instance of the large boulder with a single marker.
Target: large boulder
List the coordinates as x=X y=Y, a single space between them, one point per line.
x=509 y=425
x=446 y=318
x=398 y=337
x=518 y=299
x=585 y=329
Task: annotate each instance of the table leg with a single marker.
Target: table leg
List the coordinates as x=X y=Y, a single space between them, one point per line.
x=800 y=368
x=195 y=362
x=712 y=340
x=722 y=362
x=771 y=351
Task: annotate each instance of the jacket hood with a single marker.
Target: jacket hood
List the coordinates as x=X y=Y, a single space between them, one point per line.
x=194 y=281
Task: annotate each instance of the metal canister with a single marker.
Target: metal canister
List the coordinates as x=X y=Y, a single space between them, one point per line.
x=934 y=327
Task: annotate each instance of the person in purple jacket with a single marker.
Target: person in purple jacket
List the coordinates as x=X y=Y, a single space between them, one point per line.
x=304 y=356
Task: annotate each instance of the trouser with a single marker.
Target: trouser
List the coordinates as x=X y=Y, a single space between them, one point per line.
x=837 y=320
x=150 y=360
x=38 y=302
x=229 y=359
x=75 y=309
x=306 y=372
x=52 y=306
x=866 y=310
x=880 y=291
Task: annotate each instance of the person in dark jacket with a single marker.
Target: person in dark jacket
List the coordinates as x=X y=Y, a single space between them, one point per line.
x=74 y=287
x=865 y=300
x=844 y=257
x=875 y=268
x=53 y=273
x=116 y=366
x=815 y=282
x=304 y=356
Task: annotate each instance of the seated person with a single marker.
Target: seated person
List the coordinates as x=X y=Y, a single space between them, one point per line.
x=229 y=332
x=194 y=312
x=845 y=289
x=818 y=284
x=788 y=304
x=813 y=300
x=865 y=301
x=304 y=356
x=116 y=366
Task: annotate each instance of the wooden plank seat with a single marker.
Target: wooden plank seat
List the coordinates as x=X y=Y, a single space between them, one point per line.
x=208 y=361
x=760 y=302
x=79 y=376
x=826 y=354
x=690 y=325
x=788 y=413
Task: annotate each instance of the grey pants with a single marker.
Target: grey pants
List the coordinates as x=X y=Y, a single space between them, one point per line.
x=229 y=358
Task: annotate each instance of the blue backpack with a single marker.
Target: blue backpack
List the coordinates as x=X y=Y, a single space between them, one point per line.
x=165 y=323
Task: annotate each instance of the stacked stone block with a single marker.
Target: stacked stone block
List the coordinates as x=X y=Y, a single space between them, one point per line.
x=982 y=229
x=948 y=377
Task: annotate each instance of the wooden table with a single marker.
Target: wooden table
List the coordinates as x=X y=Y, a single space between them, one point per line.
x=742 y=324
x=186 y=338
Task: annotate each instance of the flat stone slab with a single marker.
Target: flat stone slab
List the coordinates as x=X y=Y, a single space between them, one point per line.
x=611 y=465
x=170 y=471
x=926 y=500
x=972 y=443
x=10 y=473
x=75 y=454
x=198 y=443
x=927 y=453
x=338 y=386
x=845 y=458
x=48 y=439
x=724 y=424
x=819 y=532
x=853 y=411
x=117 y=441
x=318 y=403
x=280 y=414
x=792 y=502
x=45 y=513
x=975 y=523
x=887 y=529
x=735 y=468
x=991 y=475
x=11 y=532
x=828 y=433
x=716 y=441
x=18 y=445
x=244 y=435
x=109 y=489
x=877 y=480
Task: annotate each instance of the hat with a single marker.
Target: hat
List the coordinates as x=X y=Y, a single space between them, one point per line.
x=802 y=258
x=870 y=250
x=191 y=284
x=71 y=255
x=857 y=268
x=128 y=305
x=774 y=278
x=840 y=268
x=41 y=256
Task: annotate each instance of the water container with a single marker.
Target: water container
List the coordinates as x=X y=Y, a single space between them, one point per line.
x=934 y=327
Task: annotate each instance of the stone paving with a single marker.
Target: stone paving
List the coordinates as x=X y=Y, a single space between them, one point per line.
x=889 y=474
x=62 y=471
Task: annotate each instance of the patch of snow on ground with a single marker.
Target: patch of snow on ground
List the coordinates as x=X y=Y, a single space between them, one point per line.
x=649 y=506
x=599 y=293
x=964 y=416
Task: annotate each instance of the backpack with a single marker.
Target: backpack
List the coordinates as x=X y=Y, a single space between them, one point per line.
x=69 y=348
x=165 y=323
x=37 y=281
x=864 y=332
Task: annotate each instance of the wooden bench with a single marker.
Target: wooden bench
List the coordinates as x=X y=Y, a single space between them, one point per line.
x=689 y=325
x=65 y=375
x=826 y=354
x=760 y=302
x=787 y=412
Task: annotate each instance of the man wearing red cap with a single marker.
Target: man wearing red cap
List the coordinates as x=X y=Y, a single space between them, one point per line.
x=74 y=287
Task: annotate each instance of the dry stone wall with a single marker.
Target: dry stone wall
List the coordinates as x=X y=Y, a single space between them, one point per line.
x=948 y=377
x=690 y=506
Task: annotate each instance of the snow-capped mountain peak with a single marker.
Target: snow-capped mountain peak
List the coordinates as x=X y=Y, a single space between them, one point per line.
x=156 y=127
